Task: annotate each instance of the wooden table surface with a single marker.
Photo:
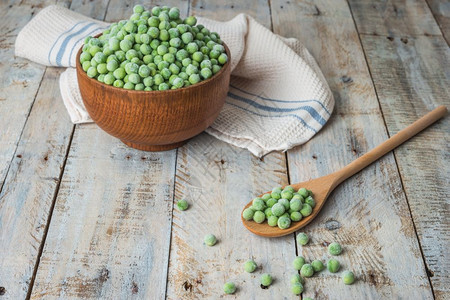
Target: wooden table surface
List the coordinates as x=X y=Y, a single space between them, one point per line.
x=84 y=216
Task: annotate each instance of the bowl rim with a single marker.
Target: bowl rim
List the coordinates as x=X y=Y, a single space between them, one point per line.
x=215 y=76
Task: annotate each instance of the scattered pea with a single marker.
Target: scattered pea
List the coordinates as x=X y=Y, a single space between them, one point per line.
x=229 y=288
x=348 y=277
x=182 y=204
x=334 y=248
x=317 y=265
x=307 y=270
x=333 y=265
x=266 y=279
x=210 y=240
x=298 y=262
x=297 y=278
x=250 y=266
x=297 y=288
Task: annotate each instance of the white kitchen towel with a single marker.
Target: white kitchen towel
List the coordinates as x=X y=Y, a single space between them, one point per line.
x=278 y=97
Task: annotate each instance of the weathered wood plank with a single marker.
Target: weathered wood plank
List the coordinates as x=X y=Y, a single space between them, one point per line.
x=218 y=179
x=441 y=12
x=110 y=231
x=368 y=214
x=394 y=18
x=30 y=187
x=95 y=10
x=411 y=78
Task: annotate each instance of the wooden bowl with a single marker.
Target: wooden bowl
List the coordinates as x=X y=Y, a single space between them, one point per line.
x=154 y=120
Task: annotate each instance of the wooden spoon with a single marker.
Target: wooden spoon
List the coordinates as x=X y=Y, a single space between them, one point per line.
x=323 y=186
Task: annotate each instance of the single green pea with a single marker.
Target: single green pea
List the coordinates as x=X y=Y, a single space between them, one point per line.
x=298 y=197
x=163 y=86
x=128 y=86
x=259 y=217
x=298 y=262
x=112 y=65
x=182 y=204
x=119 y=73
x=295 y=204
x=272 y=221
x=134 y=78
x=109 y=79
x=210 y=240
x=348 y=277
x=174 y=13
x=139 y=87
x=156 y=10
x=265 y=197
x=303 y=192
x=191 y=48
x=297 y=278
x=333 y=265
x=206 y=73
x=158 y=79
x=297 y=288
x=306 y=210
x=85 y=56
x=296 y=216
x=148 y=81
x=310 y=200
x=191 y=21
x=248 y=213
x=178 y=82
x=163 y=65
x=101 y=78
x=169 y=57
x=317 y=265
x=288 y=187
x=284 y=222
x=118 y=83
x=183 y=76
x=215 y=69
x=250 y=266
x=278 y=209
x=92 y=72
x=307 y=270
x=285 y=203
x=86 y=65
x=275 y=194
x=286 y=195
x=187 y=37
x=302 y=238
x=268 y=212
x=191 y=70
x=266 y=279
x=166 y=73
x=229 y=288
x=334 y=248
x=271 y=202
x=258 y=204
x=214 y=54
x=100 y=57
x=197 y=56
x=186 y=62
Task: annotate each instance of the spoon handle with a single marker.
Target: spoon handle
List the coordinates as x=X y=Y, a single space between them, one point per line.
x=392 y=143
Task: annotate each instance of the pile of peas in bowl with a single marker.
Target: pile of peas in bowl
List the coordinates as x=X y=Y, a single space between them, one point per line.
x=281 y=207
x=153 y=50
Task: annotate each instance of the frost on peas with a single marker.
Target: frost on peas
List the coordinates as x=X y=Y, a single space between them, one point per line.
x=271 y=202
x=348 y=277
x=268 y=212
x=317 y=265
x=258 y=204
x=272 y=221
x=265 y=197
x=307 y=270
x=295 y=204
x=285 y=203
x=229 y=288
x=250 y=266
x=334 y=248
x=259 y=217
x=266 y=279
x=303 y=192
x=302 y=238
x=210 y=240
x=248 y=213
x=182 y=204
x=333 y=265
x=297 y=288
x=278 y=209
x=310 y=200
x=306 y=210
x=298 y=262
x=284 y=222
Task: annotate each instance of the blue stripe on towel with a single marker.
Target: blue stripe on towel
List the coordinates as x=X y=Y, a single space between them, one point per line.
x=87 y=34
x=283 y=101
x=67 y=40
x=54 y=44
x=309 y=109
x=276 y=116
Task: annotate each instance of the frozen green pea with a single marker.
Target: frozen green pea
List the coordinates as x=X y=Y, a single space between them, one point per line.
x=317 y=265
x=174 y=13
x=119 y=73
x=191 y=21
x=197 y=56
x=295 y=204
x=265 y=197
x=139 y=87
x=216 y=69
x=92 y=72
x=297 y=278
x=158 y=79
x=310 y=200
x=163 y=65
x=303 y=192
x=333 y=265
x=85 y=56
x=298 y=197
x=156 y=10
x=275 y=194
x=307 y=270
x=259 y=217
x=248 y=213
x=166 y=73
x=164 y=35
x=272 y=221
x=182 y=204
x=219 y=48
x=229 y=288
x=288 y=187
x=112 y=65
x=128 y=86
x=298 y=262
x=153 y=32
x=187 y=37
x=191 y=69
x=169 y=57
x=258 y=204
x=210 y=240
x=131 y=68
x=191 y=48
x=183 y=75
x=178 y=82
x=302 y=238
x=109 y=79
x=206 y=73
x=334 y=248
x=138 y=9
x=101 y=78
x=286 y=214
x=145 y=49
x=296 y=216
x=214 y=54
x=278 y=209
x=118 y=83
x=297 y=288
x=86 y=65
x=174 y=33
x=348 y=277
x=144 y=71
x=134 y=78
x=148 y=81
x=285 y=203
x=271 y=202
x=250 y=266
x=284 y=222
x=268 y=212
x=163 y=86
x=194 y=78
x=286 y=195
x=306 y=210
x=266 y=279
x=100 y=57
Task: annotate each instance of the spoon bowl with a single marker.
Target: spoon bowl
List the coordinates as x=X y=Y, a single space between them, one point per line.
x=323 y=186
